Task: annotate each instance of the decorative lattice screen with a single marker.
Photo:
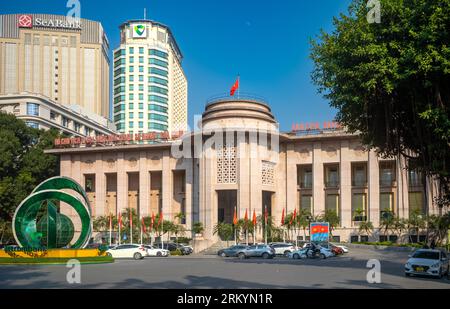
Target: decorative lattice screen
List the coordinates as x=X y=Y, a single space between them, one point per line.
x=226 y=164
x=267 y=173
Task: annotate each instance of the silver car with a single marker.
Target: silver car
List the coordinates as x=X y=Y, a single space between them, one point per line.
x=264 y=251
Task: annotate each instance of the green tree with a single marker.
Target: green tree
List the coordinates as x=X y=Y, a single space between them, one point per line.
x=365 y=227
x=224 y=230
x=387 y=222
x=23 y=165
x=332 y=218
x=416 y=223
x=389 y=80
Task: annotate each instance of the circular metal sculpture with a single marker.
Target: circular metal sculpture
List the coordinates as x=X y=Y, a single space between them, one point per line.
x=37 y=223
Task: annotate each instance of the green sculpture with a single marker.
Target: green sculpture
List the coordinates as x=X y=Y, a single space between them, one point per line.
x=37 y=223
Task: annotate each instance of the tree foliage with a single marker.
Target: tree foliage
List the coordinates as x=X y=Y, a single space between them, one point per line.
x=390 y=81
x=23 y=164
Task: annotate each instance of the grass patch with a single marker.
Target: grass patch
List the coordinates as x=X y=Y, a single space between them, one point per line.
x=44 y=261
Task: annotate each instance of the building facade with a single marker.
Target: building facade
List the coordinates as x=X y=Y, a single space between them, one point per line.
x=65 y=60
x=150 y=88
x=40 y=112
x=239 y=160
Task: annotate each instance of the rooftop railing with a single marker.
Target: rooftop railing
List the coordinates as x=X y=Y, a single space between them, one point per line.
x=242 y=96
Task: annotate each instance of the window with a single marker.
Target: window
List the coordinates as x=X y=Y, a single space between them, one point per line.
x=119 y=62
x=305 y=177
x=386 y=204
x=130 y=124
x=157 y=62
x=416 y=203
x=141 y=87
x=387 y=173
x=158 y=99
x=32 y=109
x=52 y=115
x=141 y=96
x=32 y=124
x=119 y=117
x=131 y=115
x=131 y=69
x=157 y=72
x=415 y=178
x=332 y=202
x=64 y=121
x=131 y=96
x=87 y=131
x=131 y=50
x=332 y=176
x=118 y=53
x=158 y=117
x=118 y=108
x=157 y=126
x=158 y=108
x=76 y=126
x=157 y=80
x=141 y=78
x=131 y=59
x=141 y=69
x=306 y=203
x=141 y=125
x=359 y=207
x=89 y=183
x=131 y=87
x=141 y=50
x=141 y=115
x=157 y=89
x=359 y=178
x=131 y=105
x=158 y=53
x=141 y=105
x=131 y=78
x=141 y=59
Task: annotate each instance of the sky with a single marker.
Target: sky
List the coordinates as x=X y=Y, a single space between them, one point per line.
x=266 y=42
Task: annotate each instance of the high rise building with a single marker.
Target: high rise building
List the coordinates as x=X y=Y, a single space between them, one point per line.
x=150 y=88
x=63 y=59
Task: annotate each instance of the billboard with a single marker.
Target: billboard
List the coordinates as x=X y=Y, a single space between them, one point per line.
x=320 y=231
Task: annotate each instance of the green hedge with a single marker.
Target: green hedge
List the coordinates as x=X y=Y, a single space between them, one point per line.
x=389 y=244
x=43 y=261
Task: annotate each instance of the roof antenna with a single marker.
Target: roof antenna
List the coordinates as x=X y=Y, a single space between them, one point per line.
x=145 y=13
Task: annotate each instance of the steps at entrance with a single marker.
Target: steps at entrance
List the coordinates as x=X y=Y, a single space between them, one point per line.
x=212 y=250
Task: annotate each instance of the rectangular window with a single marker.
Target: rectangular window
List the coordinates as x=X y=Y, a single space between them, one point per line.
x=131 y=96
x=131 y=87
x=332 y=176
x=131 y=69
x=332 y=202
x=306 y=203
x=415 y=178
x=359 y=207
x=158 y=62
x=157 y=80
x=387 y=173
x=158 y=53
x=157 y=89
x=131 y=115
x=141 y=59
x=359 y=174
x=141 y=69
x=131 y=105
x=141 y=105
x=141 y=125
x=386 y=203
x=131 y=50
x=131 y=59
x=32 y=109
x=155 y=98
x=141 y=87
x=416 y=203
x=130 y=124
x=141 y=96
x=131 y=78
x=158 y=108
x=141 y=50
x=141 y=115
x=157 y=72
x=305 y=177
x=141 y=78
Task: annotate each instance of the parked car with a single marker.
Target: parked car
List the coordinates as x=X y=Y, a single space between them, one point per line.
x=264 y=251
x=282 y=248
x=231 y=251
x=335 y=249
x=189 y=248
x=304 y=253
x=172 y=247
x=134 y=251
x=344 y=248
x=428 y=262
x=153 y=251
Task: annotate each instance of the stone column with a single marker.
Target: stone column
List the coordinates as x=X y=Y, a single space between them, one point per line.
x=318 y=181
x=100 y=187
x=122 y=183
x=291 y=179
x=346 y=186
x=243 y=166
x=189 y=194
x=374 y=189
x=144 y=186
x=167 y=186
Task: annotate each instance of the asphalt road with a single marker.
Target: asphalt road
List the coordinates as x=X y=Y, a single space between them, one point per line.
x=348 y=271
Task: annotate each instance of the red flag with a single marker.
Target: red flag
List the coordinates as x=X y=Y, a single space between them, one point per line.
x=160 y=219
x=143 y=225
x=152 y=222
x=293 y=216
x=235 y=216
x=254 y=218
x=235 y=87
x=120 y=220
x=246 y=215
x=266 y=214
x=282 y=217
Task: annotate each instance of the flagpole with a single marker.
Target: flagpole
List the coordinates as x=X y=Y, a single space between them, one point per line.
x=110 y=229
x=131 y=227
x=239 y=86
x=120 y=223
x=265 y=219
x=141 y=230
x=162 y=232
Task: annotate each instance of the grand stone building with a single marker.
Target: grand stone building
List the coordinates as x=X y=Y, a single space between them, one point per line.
x=238 y=159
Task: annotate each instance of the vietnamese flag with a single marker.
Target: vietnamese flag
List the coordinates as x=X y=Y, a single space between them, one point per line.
x=254 y=218
x=235 y=87
x=160 y=219
x=152 y=223
x=120 y=220
x=143 y=225
x=246 y=215
x=282 y=217
x=293 y=216
x=235 y=220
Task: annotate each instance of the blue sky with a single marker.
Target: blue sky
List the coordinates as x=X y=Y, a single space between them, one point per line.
x=266 y=42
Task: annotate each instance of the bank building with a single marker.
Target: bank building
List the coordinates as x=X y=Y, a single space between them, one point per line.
x=237 y=158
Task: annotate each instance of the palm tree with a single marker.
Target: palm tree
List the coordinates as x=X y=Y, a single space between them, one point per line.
x=387 y=222
x=303 y=221
x=332 y=218
x=416 y=222
x=365 y=227
x=224 y=230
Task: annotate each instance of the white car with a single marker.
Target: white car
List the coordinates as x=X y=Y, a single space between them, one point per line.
x=282 y=248
x=303 y=253
x=134 y=251
x=428 y=262
x=153 y=251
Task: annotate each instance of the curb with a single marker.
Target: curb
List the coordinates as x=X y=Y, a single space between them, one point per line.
x=379 y=247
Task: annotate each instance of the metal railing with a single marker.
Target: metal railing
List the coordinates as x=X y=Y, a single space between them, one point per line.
x=237 y=97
